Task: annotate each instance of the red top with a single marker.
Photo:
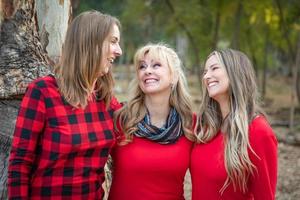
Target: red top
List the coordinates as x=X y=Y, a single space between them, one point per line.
x=58 y=152
x=209 y=174
x=147 y=170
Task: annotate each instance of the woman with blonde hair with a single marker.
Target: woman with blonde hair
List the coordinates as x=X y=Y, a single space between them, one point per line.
x=64 y=129
x=152 y=157
x=236 y=154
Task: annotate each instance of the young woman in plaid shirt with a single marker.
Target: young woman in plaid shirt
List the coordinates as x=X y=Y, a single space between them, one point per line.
x=63 y=133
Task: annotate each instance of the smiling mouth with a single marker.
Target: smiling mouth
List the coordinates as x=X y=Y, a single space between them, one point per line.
x=111 y=60
x=212 y=84
x=150 y=81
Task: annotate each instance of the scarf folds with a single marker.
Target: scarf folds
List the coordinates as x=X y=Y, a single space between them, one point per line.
x=168 y=134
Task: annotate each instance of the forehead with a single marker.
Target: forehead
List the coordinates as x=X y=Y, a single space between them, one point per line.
x=213 y=59
x=152 y=54
x=115 y=32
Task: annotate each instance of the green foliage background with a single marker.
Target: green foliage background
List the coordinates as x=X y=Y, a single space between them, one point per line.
x=266 y=30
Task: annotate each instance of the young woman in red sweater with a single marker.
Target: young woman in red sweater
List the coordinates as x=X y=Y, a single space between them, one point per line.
x=153 y=155
x=236 y=154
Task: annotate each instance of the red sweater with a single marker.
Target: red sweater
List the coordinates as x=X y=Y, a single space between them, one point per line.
x=59 y=152
x=209 y=174
x=148 y=170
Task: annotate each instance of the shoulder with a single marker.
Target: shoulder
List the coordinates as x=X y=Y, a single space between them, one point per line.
x=43 y=82
x=39 y=87
x=260 y=131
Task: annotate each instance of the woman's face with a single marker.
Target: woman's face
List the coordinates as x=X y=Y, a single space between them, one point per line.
x=216 y=79
x=154 y=76
x=110 y=49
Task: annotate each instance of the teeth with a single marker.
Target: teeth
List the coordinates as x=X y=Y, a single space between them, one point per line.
x=111 y=60
x=150 y=81
x=212 y=84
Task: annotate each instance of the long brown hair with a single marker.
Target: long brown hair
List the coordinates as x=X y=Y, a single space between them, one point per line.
x=79 y=65
x=244 y=107
x=135 y=110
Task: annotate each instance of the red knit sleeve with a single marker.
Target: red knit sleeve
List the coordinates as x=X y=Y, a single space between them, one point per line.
x=115 y=104
x=263 y=141
x=29 y=125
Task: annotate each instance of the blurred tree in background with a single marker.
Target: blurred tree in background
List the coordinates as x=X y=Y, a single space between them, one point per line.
x=266 y=30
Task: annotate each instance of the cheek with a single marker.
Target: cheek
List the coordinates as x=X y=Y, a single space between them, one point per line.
x=110 y=49
x=204 y=82
x=105 y=49
x=226 y=86
x=139 y=77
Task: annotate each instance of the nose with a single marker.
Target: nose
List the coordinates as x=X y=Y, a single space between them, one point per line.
x=118 y=50
x=206 y=76
x=148 y=70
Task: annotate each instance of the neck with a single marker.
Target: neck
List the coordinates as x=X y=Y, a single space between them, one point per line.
x=225 y=107
x=158 y=108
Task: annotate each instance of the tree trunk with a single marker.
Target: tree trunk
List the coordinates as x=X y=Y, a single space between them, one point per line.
x=53 y=17
x=294 y=87
x=265 y=65
x=298 y=85
x=28 y=29
x=252 y=49
x=196 y=48
x=235 y=43
x=217 y=25
x=8 y=110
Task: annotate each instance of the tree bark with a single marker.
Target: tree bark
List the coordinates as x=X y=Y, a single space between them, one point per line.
x=27 y=31
x=8 y=110
x=53 y=17
x=22 y=57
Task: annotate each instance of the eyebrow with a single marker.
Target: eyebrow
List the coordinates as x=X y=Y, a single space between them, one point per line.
x=141 y=61
x=215 y=64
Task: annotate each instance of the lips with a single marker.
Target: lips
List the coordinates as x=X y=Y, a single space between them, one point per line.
x=150 y=80
x=210 y=84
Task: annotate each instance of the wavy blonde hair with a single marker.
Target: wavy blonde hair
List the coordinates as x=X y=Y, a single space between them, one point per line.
x=135 y=110
x=244 y=107
x=79 y=66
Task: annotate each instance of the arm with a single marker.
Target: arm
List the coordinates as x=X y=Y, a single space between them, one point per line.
x=30 y=123
x=263 y=182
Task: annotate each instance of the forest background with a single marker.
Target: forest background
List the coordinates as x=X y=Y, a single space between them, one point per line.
x=268 y=31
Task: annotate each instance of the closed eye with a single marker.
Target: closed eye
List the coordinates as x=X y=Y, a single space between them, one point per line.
x=156 y=65
x=214 y=68
x=142 y=66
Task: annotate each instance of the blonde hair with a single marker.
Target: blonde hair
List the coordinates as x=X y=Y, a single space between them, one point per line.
x=244 y=107
x=79 y=65
x=135 y=110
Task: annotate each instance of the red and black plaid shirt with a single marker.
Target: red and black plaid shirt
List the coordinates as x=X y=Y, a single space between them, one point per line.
x=59 y=152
